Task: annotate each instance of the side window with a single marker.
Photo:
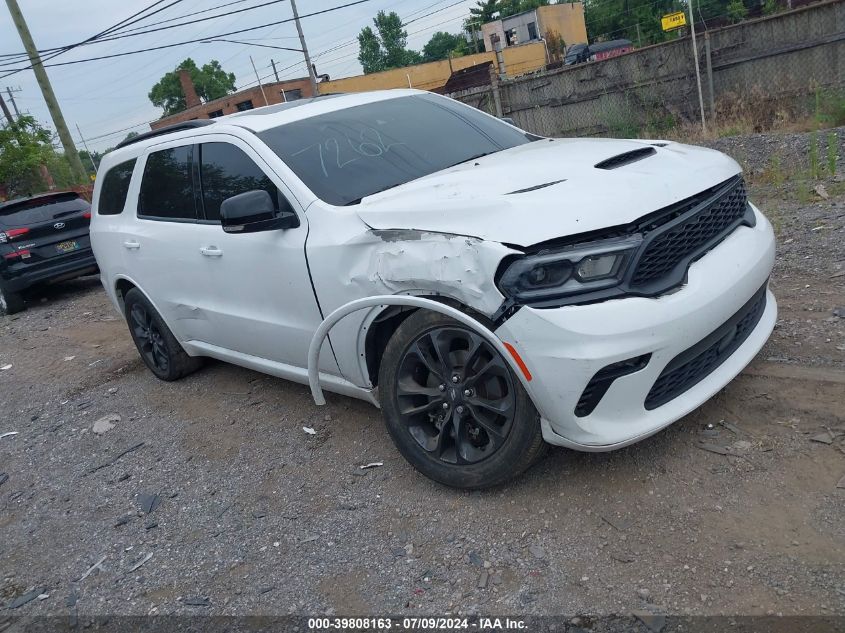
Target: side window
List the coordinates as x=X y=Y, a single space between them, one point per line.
x=115 y=187
x=226 y=171
x=167 y=189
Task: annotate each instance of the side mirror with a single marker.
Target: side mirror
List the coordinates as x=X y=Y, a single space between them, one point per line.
x=253 y=211
x=508 y=120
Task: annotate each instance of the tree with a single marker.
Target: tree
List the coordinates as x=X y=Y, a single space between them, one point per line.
x=441 y=44
x=24 y=147
x=736 y=11
x=210 y=81
x=386 y=47
x=556 y=46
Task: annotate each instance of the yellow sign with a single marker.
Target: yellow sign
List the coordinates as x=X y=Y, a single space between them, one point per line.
x=673 y=21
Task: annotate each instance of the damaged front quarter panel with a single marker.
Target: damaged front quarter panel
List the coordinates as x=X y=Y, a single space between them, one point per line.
x=399 y=261
x=411 y=261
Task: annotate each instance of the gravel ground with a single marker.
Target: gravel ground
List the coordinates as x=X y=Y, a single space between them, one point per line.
x=206 y=496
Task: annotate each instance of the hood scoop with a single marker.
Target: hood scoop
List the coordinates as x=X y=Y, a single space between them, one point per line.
x=535 y=187
x=626 y=158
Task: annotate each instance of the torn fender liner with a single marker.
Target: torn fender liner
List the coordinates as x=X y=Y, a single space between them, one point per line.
x=410 y=261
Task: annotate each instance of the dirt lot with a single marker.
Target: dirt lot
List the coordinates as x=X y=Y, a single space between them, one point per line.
x=254 y=516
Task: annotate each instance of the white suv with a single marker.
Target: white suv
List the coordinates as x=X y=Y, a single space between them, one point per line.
x=487 y=288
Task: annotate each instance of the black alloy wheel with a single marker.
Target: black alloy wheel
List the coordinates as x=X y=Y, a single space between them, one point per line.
x=150 y=341
x=159 y=349
x=456 y=395
x=454 y=406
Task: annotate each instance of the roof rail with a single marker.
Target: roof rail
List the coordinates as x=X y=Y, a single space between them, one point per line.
x=167 y=129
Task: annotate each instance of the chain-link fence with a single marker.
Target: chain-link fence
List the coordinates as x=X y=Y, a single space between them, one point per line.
x=760 y=72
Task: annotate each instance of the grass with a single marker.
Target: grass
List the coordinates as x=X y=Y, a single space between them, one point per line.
x=832 y=151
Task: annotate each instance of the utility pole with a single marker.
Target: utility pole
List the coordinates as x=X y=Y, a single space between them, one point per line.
x=9 y=91
x=6 y=110
x=47 y=90
x=697 y=69
x=275 y=72
x=314 y=90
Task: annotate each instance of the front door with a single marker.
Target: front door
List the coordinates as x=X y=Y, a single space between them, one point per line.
x=257 y=288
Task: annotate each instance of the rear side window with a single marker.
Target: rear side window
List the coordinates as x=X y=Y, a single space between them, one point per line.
x=227 y=171
x=167 y=189
x=115 y=187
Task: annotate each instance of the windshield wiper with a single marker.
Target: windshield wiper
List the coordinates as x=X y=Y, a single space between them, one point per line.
x=466 y=160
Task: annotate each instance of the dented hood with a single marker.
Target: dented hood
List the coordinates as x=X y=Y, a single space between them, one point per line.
x=548 y=189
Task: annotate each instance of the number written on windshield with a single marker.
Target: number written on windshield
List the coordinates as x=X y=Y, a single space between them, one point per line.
x=338 y=151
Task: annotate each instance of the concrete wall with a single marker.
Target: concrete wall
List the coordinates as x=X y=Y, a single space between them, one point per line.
x=774 y=62
x=518 y=60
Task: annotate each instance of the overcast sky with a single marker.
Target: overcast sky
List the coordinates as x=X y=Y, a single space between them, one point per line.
x=105 y=97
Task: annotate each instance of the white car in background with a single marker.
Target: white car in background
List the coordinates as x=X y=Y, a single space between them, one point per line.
x=487 y=288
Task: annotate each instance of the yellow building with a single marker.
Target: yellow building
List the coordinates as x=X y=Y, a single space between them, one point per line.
x=517 y=60
x=563 y=19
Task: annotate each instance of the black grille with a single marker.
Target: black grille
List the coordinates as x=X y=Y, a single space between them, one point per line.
x=695 y=364
x=673 y=245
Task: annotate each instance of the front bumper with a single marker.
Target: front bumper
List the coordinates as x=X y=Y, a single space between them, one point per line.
x=565 y=347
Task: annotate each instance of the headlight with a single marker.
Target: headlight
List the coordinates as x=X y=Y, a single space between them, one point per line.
x=576 y=270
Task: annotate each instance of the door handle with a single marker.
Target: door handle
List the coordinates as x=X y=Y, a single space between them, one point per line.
x=132 y=245
x=211 y=251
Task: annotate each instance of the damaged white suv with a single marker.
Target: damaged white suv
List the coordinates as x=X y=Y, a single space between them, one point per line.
x=487 y=288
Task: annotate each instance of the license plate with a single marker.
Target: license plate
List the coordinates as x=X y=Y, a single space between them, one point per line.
x=67 y=247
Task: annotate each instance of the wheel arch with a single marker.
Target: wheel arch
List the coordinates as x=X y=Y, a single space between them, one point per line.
x=434 y=303
x=382 y=322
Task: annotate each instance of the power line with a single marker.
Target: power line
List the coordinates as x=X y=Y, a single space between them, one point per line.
x=121 y=35
x=219 y=35
x=132 y=19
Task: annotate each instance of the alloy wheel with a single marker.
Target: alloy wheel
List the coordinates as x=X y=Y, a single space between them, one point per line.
x=149 y=338
x=455 y=395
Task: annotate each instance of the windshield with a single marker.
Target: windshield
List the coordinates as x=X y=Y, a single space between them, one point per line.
x=349 y=154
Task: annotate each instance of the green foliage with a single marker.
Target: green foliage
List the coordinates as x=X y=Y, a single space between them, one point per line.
x=24 y=146
x=636 y=20
x=771 y=7
x=555 y=45
x=813 y=152
x=829 y=108
x=210 y=81
x=441 y=44
x=736 y=10
x=386 y=46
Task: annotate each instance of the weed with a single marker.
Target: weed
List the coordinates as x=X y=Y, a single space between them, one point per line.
x=832 y=147
x=803 y=192
x=815 y=170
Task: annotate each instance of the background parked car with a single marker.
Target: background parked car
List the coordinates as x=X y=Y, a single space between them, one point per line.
x=597 y=51
x=43 y=239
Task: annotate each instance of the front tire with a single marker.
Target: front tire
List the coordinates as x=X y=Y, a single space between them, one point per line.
x=453 y=405
x=10 y=302
x=156 y=344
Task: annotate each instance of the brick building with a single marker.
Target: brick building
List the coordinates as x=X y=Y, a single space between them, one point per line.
x=275 y=92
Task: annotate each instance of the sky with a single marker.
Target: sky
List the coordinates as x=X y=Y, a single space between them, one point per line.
x=108 y=98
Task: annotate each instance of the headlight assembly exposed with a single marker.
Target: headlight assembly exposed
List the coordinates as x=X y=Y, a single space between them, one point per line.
x=575 y=270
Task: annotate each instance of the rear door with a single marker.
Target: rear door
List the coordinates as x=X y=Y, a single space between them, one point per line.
x=44 y=231
x=161 y=243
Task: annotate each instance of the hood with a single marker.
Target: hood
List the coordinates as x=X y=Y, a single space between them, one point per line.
x=549 y=189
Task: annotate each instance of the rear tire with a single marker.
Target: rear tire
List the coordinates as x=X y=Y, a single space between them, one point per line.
x=453 y=405
x=10 y=302
x=159 y=349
